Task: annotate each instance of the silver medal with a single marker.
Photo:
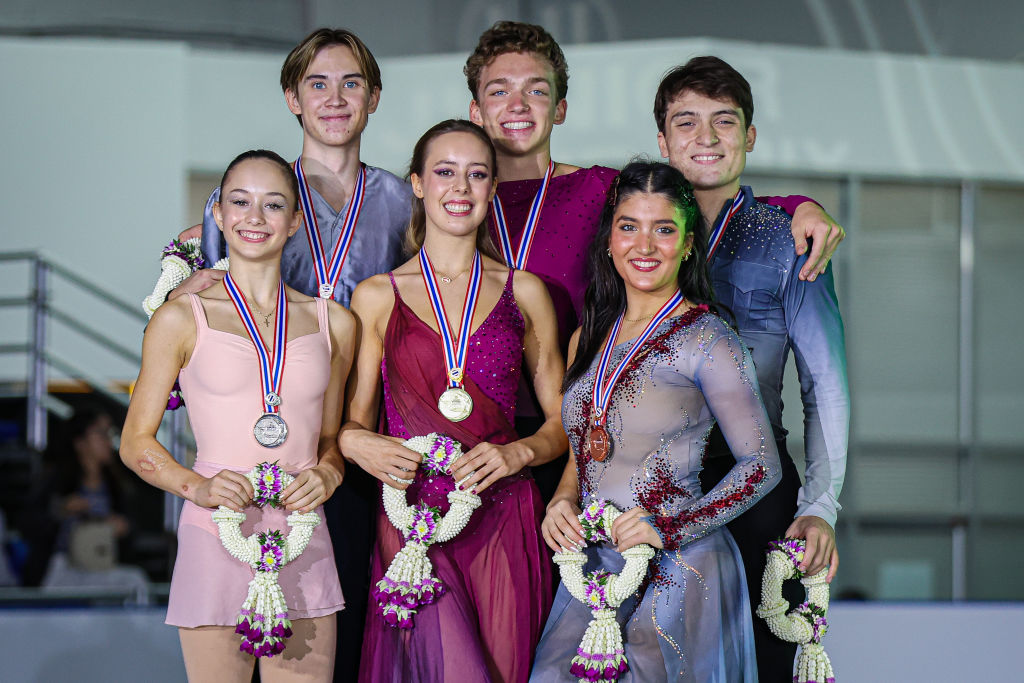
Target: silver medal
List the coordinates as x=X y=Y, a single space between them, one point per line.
x=270 y=430
x=455 y=404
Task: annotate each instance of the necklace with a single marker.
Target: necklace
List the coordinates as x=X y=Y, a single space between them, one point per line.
x=265 y=316
x=448 y=279
x=629 y=320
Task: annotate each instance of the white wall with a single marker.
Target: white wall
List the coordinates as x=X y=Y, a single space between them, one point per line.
x=98 y=137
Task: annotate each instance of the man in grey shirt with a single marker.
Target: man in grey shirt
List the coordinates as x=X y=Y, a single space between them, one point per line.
x=332 y=83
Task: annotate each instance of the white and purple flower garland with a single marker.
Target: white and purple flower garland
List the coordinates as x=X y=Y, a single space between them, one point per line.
x=178 y=261
x=409 y=582
x=263 y=620
x=806 y=624
x=600 y=657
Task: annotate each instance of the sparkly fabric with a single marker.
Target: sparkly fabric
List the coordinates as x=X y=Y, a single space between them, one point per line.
x=497 y=572
x=376 y=245
x=691 y=621
x=754 y=273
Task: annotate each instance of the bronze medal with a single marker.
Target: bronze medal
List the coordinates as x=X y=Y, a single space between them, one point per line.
x=599 y=443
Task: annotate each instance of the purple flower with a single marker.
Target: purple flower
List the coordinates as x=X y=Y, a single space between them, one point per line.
x=424 y=523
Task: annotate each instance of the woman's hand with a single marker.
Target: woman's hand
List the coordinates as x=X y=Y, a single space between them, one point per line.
x=486 y=463
x=630 y=529
x=227 y=488
x=311 y=488
x=561 y=527
x=381 y=456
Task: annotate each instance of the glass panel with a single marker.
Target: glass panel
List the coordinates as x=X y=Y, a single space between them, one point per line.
x=902 y=321
x=999 y=322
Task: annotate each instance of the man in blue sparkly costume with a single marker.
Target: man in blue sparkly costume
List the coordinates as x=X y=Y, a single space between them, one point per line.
x=704 y=111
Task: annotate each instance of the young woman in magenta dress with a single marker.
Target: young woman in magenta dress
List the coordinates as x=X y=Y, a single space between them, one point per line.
x=690 y=619
x=202 y=337
x=497 y=570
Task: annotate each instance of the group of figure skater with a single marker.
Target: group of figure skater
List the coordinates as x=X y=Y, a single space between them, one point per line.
x=449 y=303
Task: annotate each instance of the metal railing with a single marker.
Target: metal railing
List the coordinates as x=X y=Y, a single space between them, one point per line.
x=43 y=273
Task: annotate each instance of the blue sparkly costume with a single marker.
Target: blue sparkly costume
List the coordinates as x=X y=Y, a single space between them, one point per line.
x=691 y=621
x=754 y=272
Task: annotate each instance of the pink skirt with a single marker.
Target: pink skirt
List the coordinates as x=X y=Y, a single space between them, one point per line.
x=209 y=585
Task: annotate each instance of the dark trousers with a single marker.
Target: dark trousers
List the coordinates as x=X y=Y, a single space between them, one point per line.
x=754 y=530
x=350 y=520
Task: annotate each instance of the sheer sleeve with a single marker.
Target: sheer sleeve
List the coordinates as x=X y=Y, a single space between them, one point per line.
x=724 y=373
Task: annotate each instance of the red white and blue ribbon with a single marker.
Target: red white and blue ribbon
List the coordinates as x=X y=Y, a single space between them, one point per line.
x=327 y=273
x=719 y=231
x=518 y=258
x=603 y=389
x=271 y=364
x=454 y=347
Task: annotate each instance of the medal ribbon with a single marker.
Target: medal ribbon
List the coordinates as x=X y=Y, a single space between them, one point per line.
x=603 y=390
x=327 y=273
x=271 y=366
x=454 y=349
x=518 y=260
x=719 y=231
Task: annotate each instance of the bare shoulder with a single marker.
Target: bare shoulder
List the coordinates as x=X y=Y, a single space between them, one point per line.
x=564 y=169
x=528 y=287
x=372 y=297
x=296 y=297
x=341 y=320
x=172 y=317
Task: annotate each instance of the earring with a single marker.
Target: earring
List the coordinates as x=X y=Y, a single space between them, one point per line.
x=608 y=252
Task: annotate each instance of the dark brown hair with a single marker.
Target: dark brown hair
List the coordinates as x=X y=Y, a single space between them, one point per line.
x=605 y=299
x=708 y=76
x=303 y=54
x=418 y=220
x=274 y=158
x=514 y=36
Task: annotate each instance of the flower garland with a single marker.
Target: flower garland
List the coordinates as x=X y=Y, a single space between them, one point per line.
x=263 y=621
x=600 y=657
x=409 y=582
x=179 y=260
x=807 y=623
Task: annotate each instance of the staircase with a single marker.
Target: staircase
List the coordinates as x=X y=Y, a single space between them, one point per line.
x=60 y=345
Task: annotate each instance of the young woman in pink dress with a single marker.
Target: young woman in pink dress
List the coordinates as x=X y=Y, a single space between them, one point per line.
x=203 y=339
x=496 y=571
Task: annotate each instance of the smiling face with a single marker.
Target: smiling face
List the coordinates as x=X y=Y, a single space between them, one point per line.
x=333 y=98
x=457 y=183
x=257 y=209
x=707 y=140
x=647 y=242
x=516 y=104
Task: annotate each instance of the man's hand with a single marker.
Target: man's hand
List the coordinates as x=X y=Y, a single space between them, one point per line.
x=630 y=529
x=197 y=282
x=810 y=221
x=561 y=527
x=311 y=488
x=821 y=545
x=188 y=233
x=487 y=463
x=381 y=456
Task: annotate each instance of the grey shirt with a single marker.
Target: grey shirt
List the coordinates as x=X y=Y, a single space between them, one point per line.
x=376 y=241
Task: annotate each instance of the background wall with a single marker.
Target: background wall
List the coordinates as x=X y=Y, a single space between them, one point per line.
x=900 y=117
